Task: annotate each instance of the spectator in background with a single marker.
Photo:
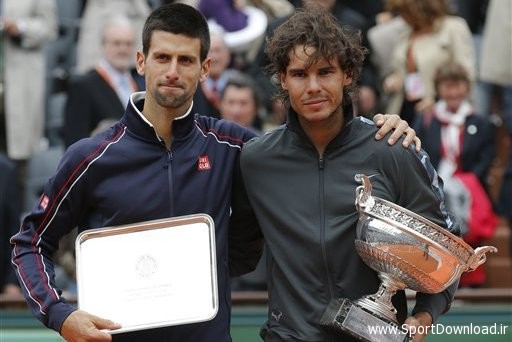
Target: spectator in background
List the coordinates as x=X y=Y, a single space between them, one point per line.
x=96 y=13
x=27 y=26
x=461 y=146
x=240 y=101
x=456 y=138
x=242 y=23
x=10 y=218
x=103 y=92
x=274 y=8
x=382 y=38
x=207 y=96
x=433 y=38
x=495 y=73
x=226 y=13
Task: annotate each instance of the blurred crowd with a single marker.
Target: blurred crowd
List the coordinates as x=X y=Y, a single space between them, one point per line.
x=67 y=68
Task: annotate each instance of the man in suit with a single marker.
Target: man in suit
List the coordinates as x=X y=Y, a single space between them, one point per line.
x=207 y=96
x=102 y=93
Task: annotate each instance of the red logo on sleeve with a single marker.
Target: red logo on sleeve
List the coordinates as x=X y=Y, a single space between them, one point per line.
x=44 y=202
x=203 y=163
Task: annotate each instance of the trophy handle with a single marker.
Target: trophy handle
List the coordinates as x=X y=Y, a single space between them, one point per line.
x=363 y=192
x=479 y=257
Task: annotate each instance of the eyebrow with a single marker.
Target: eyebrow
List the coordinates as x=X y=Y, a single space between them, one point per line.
x=303 y=69
x=296 y=70
x=175 y=54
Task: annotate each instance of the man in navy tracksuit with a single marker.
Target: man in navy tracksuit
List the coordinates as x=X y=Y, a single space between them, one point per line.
x=160 y=160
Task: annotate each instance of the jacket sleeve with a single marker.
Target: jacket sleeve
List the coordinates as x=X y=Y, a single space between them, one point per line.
x=435 y=304
x=34 y=246
x=245 y=237
x=426 y=198
x=421 y=191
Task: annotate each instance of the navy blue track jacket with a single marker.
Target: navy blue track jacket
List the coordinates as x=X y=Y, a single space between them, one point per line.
x=126 y=175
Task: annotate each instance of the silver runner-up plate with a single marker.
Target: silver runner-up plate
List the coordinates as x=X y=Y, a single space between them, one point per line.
x=150 y=274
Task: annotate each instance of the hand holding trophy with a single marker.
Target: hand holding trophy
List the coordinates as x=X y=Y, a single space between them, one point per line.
x=407 y=251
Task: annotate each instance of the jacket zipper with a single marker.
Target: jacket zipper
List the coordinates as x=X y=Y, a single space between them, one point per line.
x=170 y=157
x=323 y=228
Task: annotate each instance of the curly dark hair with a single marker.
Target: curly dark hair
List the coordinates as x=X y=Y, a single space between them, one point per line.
x=315 y=27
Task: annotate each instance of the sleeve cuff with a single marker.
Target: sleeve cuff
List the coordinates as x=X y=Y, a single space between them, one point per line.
x=58 y=313
x=435 y=304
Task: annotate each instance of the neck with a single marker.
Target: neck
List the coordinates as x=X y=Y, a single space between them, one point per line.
x=162 y=118
x=321 y=133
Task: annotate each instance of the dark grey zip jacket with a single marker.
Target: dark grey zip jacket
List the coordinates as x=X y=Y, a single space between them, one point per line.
x=305 y=206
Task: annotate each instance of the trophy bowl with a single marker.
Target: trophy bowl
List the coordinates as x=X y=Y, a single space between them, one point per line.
x=407 y=251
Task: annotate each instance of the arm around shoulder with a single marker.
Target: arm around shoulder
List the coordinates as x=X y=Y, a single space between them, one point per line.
x=245 y=237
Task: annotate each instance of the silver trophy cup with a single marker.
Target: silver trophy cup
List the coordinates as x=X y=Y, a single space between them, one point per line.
x=407 y=251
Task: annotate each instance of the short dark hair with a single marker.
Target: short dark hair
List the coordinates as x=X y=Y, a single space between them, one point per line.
x=242 y=80
x=178 y=19
x=315 y=27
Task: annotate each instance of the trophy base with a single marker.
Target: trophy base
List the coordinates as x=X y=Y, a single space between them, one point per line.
x=343 y=315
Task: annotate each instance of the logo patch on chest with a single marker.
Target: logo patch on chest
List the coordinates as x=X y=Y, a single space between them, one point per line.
x=203 y=163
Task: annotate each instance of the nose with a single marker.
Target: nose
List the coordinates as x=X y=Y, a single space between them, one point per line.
x=172 y=70
x=313 y=84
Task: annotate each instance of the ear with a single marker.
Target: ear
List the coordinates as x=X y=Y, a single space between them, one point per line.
x=282 y=78
x=140 y=63
x=205 y=69
x=347 y=80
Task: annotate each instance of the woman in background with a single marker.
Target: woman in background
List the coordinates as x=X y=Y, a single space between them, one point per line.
x=433 y=38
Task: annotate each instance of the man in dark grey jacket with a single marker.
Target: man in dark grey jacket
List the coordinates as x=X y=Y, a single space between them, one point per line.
x=300 y=182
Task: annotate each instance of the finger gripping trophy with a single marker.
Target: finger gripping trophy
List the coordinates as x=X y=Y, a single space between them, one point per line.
x=407 y=251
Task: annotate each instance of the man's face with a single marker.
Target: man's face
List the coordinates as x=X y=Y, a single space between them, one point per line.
x=453 y=93
x=315 y=92
x=238 y=105
x=172 y=69
x=220 y=55
x=119 y=46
